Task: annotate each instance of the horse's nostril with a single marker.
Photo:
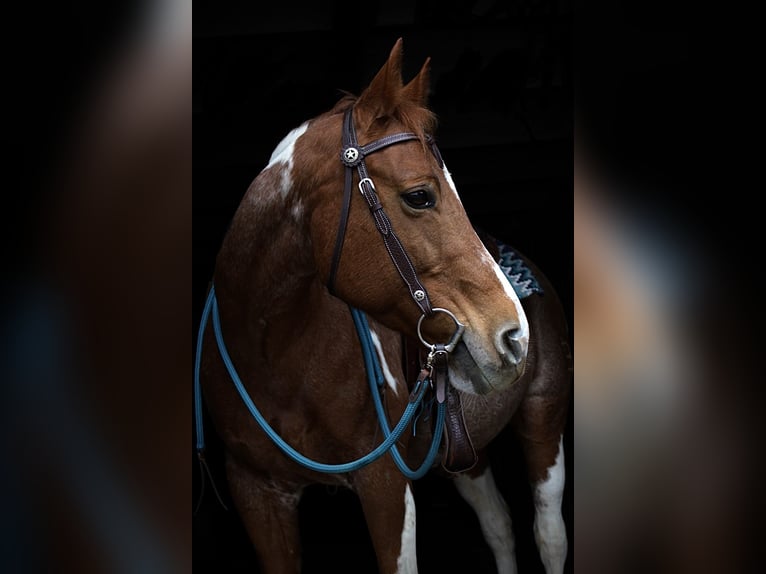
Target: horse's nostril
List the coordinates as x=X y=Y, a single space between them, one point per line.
x=512 y=334
x=514 y=347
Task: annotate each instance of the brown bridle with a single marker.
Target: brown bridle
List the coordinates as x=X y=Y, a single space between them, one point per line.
x=459 y=454
x=352 y=156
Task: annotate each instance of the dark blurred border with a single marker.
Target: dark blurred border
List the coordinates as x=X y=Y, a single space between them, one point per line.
x=97 y=237
x=666 y=250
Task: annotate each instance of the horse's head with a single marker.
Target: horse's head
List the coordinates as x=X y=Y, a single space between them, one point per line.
x=419 y=197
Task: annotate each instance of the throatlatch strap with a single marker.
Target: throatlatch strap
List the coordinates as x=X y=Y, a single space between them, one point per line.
x=341 y=235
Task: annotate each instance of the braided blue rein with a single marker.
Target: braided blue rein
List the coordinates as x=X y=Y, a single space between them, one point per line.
x=374 y=378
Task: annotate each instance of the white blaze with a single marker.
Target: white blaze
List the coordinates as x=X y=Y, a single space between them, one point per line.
x=487 y=260
x=523 y=323
x=450 y=181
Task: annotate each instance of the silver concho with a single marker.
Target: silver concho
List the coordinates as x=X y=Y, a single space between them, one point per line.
x=350 y=156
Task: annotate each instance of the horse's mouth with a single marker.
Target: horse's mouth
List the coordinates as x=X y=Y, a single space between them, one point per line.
x=467 y=376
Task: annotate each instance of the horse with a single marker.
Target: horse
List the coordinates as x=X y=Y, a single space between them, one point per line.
x=351 y=254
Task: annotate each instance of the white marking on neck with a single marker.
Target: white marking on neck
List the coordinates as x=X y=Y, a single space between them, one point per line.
x=482 y=494
x=383 y=364
x=283 y=154
x=284 y=150
x=408 y=559
x=550 y=531
x=297 y=210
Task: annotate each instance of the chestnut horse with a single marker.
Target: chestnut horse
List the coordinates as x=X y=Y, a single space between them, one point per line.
x=354 y=232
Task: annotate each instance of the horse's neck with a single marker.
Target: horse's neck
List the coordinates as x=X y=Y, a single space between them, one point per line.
x=265 y=271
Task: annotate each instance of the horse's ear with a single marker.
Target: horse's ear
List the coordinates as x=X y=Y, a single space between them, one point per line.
x=417 y=89
x=384 y=93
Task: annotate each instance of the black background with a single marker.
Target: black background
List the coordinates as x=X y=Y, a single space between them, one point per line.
x=502 y=90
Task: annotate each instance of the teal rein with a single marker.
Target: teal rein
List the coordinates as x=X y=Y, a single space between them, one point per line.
x=374 y=379
x=372 y=365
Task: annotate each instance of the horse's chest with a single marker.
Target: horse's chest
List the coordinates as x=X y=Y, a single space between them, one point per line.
x=485 y=416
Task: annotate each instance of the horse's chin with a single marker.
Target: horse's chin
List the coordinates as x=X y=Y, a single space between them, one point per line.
x=466 y=375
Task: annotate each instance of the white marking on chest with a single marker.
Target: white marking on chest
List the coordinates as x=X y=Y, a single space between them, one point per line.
x=408 y=559
x=283 y=154
x=550 y=531
x=290 y=500
x=390 y=380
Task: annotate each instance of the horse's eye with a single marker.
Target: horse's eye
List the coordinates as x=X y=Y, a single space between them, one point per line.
x=419 y=199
